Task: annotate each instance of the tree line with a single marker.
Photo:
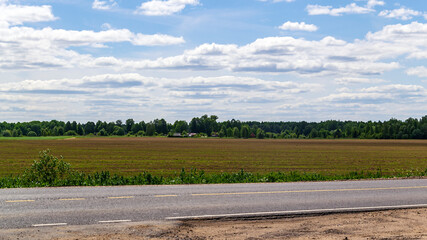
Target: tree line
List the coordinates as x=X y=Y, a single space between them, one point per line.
x=208 y=126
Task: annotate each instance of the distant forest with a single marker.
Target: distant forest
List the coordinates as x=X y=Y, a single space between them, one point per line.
x=208 y=126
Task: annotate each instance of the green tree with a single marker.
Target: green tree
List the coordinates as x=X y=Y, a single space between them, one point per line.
x=102 y=132
x=260 y=133
x=244 y=132
x=80 y=130
x=161 y=126
x=314 y=133
x=6 y=133
x=236 y=132
x=45 y=132
x=74 y=126
x=150 y=129
x=32 y=134
x=89 y=128
x=129 y=124
x=67 y=126
x=118 y=131
x=229 y=132
x=70 y=133
x=58 y=131
x=180 y=126
x=16 y=132
x=136 y=128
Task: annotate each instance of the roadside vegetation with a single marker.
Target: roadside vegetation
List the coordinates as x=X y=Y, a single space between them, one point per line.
x=49 y=170
x=208 y=126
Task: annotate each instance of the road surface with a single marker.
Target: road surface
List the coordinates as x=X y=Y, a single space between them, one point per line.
x=43 y=207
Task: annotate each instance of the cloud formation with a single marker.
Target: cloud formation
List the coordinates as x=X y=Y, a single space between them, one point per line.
x=16 y=14
x=373 y=55
x=351 y=8
x=401 y=13
x=164 y=7
x=103 y=5
x=298 y=26
x=26 y=47
x=130 y=93
x=419 y=71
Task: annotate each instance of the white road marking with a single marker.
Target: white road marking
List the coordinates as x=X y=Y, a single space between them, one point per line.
x=308 y=211
x=49 y=224
x=114 y=221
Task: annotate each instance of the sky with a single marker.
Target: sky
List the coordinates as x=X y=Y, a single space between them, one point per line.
x=261 y=60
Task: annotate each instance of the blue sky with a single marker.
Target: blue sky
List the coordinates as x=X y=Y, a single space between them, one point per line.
x=267 y=60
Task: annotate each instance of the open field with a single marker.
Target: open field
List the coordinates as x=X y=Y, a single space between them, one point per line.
x=166 y=156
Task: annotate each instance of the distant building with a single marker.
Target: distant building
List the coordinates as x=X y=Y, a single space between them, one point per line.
x=176 y=135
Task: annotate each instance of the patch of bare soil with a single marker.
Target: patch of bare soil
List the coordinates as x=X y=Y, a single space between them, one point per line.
x=390 y=225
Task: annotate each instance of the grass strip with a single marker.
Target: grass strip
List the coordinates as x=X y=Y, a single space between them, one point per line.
x=195 y=176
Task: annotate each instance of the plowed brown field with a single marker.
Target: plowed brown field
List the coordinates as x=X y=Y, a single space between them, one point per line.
x=166 y=156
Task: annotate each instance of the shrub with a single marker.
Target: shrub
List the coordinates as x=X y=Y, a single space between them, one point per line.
x=47 y=170
x=32 y=134
x=71 y=133
x=118 y=131
x=6 y=133
x=102 y=132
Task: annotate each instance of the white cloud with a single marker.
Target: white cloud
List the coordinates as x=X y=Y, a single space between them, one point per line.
x=103 y=5
x=298 y=26
x=166 y=7
x=374 y=3
x=156 y=40
x=17 y=14
x=124 y=95
x=419 y=71
x=351 y=8
x=24 y=47
x=401 y=13
x=378 y=52
x=276 y=1
x=282 y=54
x=357 y=80
x=380 y=94
x=49 y=37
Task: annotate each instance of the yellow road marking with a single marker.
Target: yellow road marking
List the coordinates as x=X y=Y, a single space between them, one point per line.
x=165 y=196
x=122 y=197
x=19 y=201
x=71 y=199
x=308 y=191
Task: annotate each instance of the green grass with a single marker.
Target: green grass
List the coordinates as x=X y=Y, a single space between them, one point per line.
x=192 y=177
x=36 y=138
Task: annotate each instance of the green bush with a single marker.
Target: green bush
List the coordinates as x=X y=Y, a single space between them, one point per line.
x=6 y=133
x=32 y=134
x=102 y=132
x=48 y=170
x=71 y=133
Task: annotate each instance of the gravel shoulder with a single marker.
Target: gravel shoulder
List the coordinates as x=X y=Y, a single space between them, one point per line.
x=394 y=224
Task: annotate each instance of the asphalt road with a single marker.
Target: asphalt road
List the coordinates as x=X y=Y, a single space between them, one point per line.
x=42 y=207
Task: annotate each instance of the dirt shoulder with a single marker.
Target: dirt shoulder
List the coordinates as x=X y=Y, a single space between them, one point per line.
x=394 y=224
